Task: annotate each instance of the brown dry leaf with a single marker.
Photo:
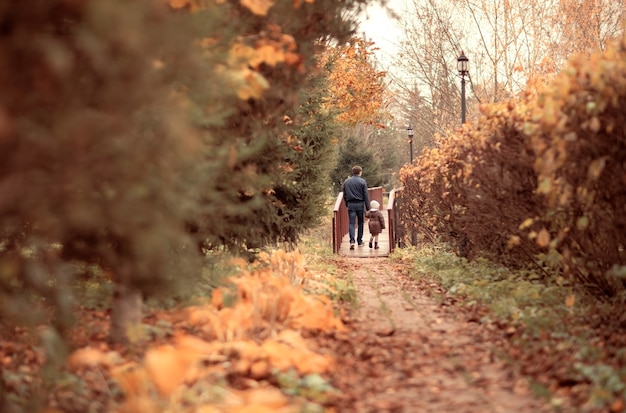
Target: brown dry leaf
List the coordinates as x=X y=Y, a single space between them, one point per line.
x=258 y=7
x=166 y=366
x=570 y=300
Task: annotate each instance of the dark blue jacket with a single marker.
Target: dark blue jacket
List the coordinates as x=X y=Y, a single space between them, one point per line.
x=355 y=189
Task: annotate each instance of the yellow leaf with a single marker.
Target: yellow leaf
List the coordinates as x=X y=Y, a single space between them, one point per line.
x=545 y=186
x=543 y=238
x=268 y=54
x=582 y=223
x=570 y=300
x=258 y=7
x=513 y=242
x=240 y=55
x=526 y=224
x=250 y=84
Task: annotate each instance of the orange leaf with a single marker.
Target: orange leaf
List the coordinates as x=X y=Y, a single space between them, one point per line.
x=90 y=356
x=596 y=167
x=543 y=238
x=217 y=298
x=132 y=380
x=144 y=404
x=166 y=368
x=268 y=397
x=570 y=300
x=178 y=4
x=258 y=7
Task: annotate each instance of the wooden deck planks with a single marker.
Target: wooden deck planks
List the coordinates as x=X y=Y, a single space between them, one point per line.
x=365 y=251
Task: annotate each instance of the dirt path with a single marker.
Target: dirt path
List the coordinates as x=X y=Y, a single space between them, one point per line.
x=415 y=355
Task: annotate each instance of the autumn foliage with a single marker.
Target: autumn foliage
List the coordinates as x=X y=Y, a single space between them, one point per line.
x=537 y=180
x=356 y=88
x=229 y=350
x=139 y=140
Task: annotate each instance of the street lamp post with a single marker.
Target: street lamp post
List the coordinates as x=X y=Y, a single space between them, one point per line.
x=409 y=131
x=462 y=65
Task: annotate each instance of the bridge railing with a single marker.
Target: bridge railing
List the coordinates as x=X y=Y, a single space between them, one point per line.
x=392 y=215
x=340 y=215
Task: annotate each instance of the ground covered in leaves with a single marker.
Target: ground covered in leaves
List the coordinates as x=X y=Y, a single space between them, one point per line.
x=407 y=352
x=369 y=335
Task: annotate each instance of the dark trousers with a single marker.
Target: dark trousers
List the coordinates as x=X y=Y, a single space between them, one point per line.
x=356 y=212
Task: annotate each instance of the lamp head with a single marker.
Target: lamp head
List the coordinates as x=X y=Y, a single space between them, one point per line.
x=462 y=64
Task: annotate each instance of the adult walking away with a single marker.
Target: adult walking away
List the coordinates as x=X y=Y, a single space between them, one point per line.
x=355 y=197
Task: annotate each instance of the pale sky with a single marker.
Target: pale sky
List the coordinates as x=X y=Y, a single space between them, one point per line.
x=382 y=29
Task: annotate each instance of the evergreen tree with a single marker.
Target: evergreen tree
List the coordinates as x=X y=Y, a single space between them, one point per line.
x=353 y=153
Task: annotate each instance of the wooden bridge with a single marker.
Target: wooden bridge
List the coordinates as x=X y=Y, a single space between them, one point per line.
x=341 y=239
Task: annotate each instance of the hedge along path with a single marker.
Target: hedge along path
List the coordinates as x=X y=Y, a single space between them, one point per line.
x=407 y=353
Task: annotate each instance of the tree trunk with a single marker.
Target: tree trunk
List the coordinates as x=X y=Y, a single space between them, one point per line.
x=125 y=313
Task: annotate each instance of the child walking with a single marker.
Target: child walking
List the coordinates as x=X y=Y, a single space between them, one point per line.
x=376 y=223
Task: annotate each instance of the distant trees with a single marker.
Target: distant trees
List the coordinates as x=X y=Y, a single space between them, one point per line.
x=508 y=44
x=358 y=94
